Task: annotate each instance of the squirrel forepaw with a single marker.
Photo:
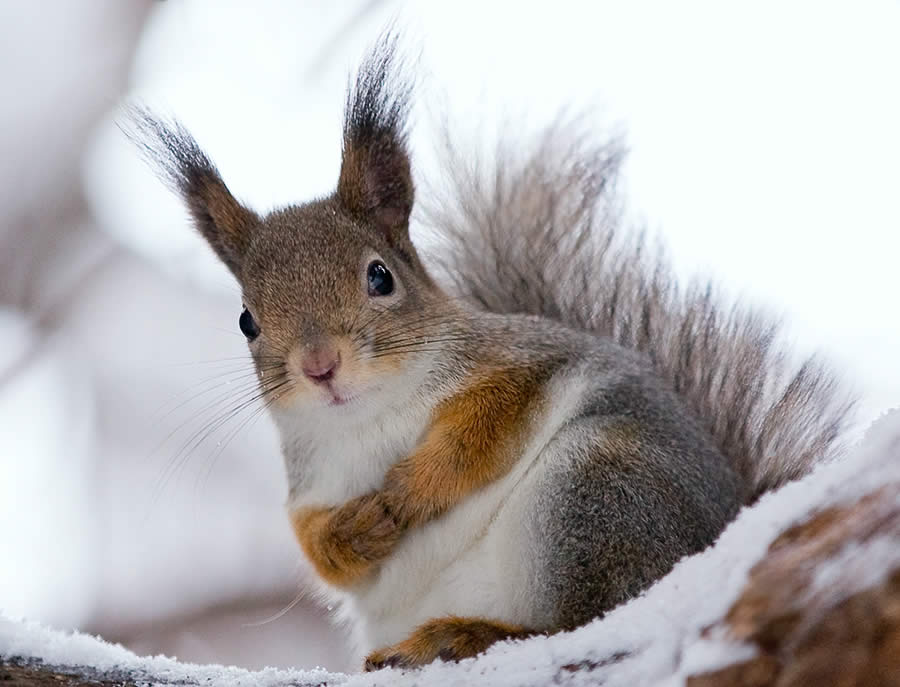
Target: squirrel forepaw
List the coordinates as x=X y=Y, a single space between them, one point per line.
x=346 y=542
x=366 y=526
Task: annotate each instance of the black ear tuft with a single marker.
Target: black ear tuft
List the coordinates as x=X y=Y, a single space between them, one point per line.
x=171 y=150
x=376 y=182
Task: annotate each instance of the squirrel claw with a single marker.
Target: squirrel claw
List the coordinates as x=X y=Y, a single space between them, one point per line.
x=390 y=657
x=446 y=639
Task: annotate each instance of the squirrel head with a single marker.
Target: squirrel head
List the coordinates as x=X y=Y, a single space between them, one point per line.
x=336 y=299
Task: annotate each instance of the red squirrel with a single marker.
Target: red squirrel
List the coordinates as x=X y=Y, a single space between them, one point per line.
x=524 y=444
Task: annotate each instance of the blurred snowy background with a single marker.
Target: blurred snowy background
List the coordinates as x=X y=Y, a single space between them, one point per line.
x=135 y=501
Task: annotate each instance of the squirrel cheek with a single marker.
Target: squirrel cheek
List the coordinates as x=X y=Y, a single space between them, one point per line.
x=388 y=362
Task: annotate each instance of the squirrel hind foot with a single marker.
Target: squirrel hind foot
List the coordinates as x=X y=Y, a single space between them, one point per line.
x=448 y=639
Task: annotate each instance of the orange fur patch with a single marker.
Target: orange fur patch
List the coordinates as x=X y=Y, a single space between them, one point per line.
x=473 y=440
x=344 y=543
x=449 y=639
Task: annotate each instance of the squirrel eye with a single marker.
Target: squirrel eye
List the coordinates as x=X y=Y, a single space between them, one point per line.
x=248 y=325
x=381 y=283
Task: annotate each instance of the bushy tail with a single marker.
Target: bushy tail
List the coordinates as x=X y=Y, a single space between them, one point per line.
x=542 y=232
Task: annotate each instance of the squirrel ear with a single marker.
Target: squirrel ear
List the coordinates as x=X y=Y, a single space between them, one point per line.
x=375 y=184
x=171 y=150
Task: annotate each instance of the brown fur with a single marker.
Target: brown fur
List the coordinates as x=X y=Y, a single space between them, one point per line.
x=222 y=220
x=542 y=231
x=375 y=184
x=386 y=205
x=472 y=441
x=344 y=543
x=449 y=639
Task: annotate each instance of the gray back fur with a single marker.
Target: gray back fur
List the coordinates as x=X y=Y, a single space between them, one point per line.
x=542 y=232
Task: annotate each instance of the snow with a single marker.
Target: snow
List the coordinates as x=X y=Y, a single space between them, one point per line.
x=654 y=639
x=29 y=639
x=858 y=566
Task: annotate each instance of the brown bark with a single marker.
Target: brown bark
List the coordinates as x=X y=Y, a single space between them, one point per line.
x=839 y=630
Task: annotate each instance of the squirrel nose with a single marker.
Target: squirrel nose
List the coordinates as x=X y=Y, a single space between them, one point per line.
x=320 y=365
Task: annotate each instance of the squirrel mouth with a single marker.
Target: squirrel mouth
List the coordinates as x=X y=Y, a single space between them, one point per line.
x=335 y=398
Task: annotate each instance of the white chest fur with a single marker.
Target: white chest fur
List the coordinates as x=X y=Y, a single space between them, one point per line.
x=472 y=561
x=335 y=453
x=331 y=458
